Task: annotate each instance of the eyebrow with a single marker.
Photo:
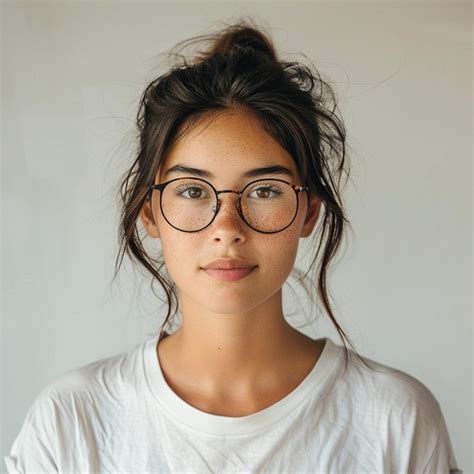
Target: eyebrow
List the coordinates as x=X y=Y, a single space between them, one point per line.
x=253 y=173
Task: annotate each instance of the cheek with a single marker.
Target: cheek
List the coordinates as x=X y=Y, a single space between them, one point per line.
x=174 y=251
x=173 y=245
x=277 y=254
x=180 y=255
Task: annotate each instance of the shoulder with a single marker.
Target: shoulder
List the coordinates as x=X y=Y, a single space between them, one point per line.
x=65 y=415
x=384 y=398
x=106 y=376
x=388 y=386
x=396 y=411
x=103 y=381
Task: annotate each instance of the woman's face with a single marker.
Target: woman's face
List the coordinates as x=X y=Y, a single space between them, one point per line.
x=227 y=145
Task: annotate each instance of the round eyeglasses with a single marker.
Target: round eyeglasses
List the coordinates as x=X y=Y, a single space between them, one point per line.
x=265 y=205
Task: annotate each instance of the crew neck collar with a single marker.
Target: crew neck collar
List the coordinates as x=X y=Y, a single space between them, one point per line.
x=314 y=384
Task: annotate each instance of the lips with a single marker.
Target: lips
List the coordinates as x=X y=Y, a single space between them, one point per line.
x=229 y=264
x=229 y=274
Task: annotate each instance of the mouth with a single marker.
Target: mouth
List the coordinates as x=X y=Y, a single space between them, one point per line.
x=229 y=274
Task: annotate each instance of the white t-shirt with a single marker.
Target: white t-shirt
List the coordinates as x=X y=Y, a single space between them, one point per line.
x=119 y=415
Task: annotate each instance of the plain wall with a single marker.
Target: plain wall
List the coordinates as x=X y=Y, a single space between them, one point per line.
x=72 y=74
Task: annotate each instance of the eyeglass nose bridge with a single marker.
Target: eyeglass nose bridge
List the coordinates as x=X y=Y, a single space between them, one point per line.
x=219 y=202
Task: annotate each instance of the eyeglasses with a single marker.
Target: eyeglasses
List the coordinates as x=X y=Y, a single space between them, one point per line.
x=265 y=205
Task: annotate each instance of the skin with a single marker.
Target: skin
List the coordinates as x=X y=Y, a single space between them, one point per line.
x=234 y=354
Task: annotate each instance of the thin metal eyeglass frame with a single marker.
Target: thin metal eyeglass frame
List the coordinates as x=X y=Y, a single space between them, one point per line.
x=296 y=188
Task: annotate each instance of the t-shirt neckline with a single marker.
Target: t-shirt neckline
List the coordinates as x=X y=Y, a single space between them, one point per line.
x=315 y=383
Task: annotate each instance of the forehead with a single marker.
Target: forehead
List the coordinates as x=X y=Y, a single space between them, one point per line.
x=227 y=143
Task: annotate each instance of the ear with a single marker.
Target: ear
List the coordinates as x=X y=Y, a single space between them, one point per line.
x=312 y=214
x=147 y=219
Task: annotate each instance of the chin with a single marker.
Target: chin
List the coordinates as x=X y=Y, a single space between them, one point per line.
x=228 y=303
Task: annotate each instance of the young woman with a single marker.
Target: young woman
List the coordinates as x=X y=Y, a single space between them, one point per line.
x=240 y=156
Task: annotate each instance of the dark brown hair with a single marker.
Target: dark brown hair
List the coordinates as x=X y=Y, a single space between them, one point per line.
x=240 y=69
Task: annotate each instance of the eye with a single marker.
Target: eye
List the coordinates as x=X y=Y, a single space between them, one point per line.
x=263 y=192
x=195 y=191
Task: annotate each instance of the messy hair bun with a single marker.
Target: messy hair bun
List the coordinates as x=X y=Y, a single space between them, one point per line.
x=239 y=35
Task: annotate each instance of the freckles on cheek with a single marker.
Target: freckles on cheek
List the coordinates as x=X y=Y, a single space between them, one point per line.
x=286 y=250
x=280 y=250
x=177 y=267
x=181 y=257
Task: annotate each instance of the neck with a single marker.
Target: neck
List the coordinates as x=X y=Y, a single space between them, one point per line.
x=227 y=356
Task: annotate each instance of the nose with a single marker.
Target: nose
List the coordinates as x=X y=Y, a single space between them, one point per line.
x=228 y=211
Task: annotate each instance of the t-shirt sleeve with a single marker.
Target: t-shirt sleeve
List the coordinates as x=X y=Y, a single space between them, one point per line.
x=442 y=458
x=418 y=441
x=34 y=448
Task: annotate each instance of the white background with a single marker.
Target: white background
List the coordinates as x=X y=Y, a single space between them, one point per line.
x=72 y=74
